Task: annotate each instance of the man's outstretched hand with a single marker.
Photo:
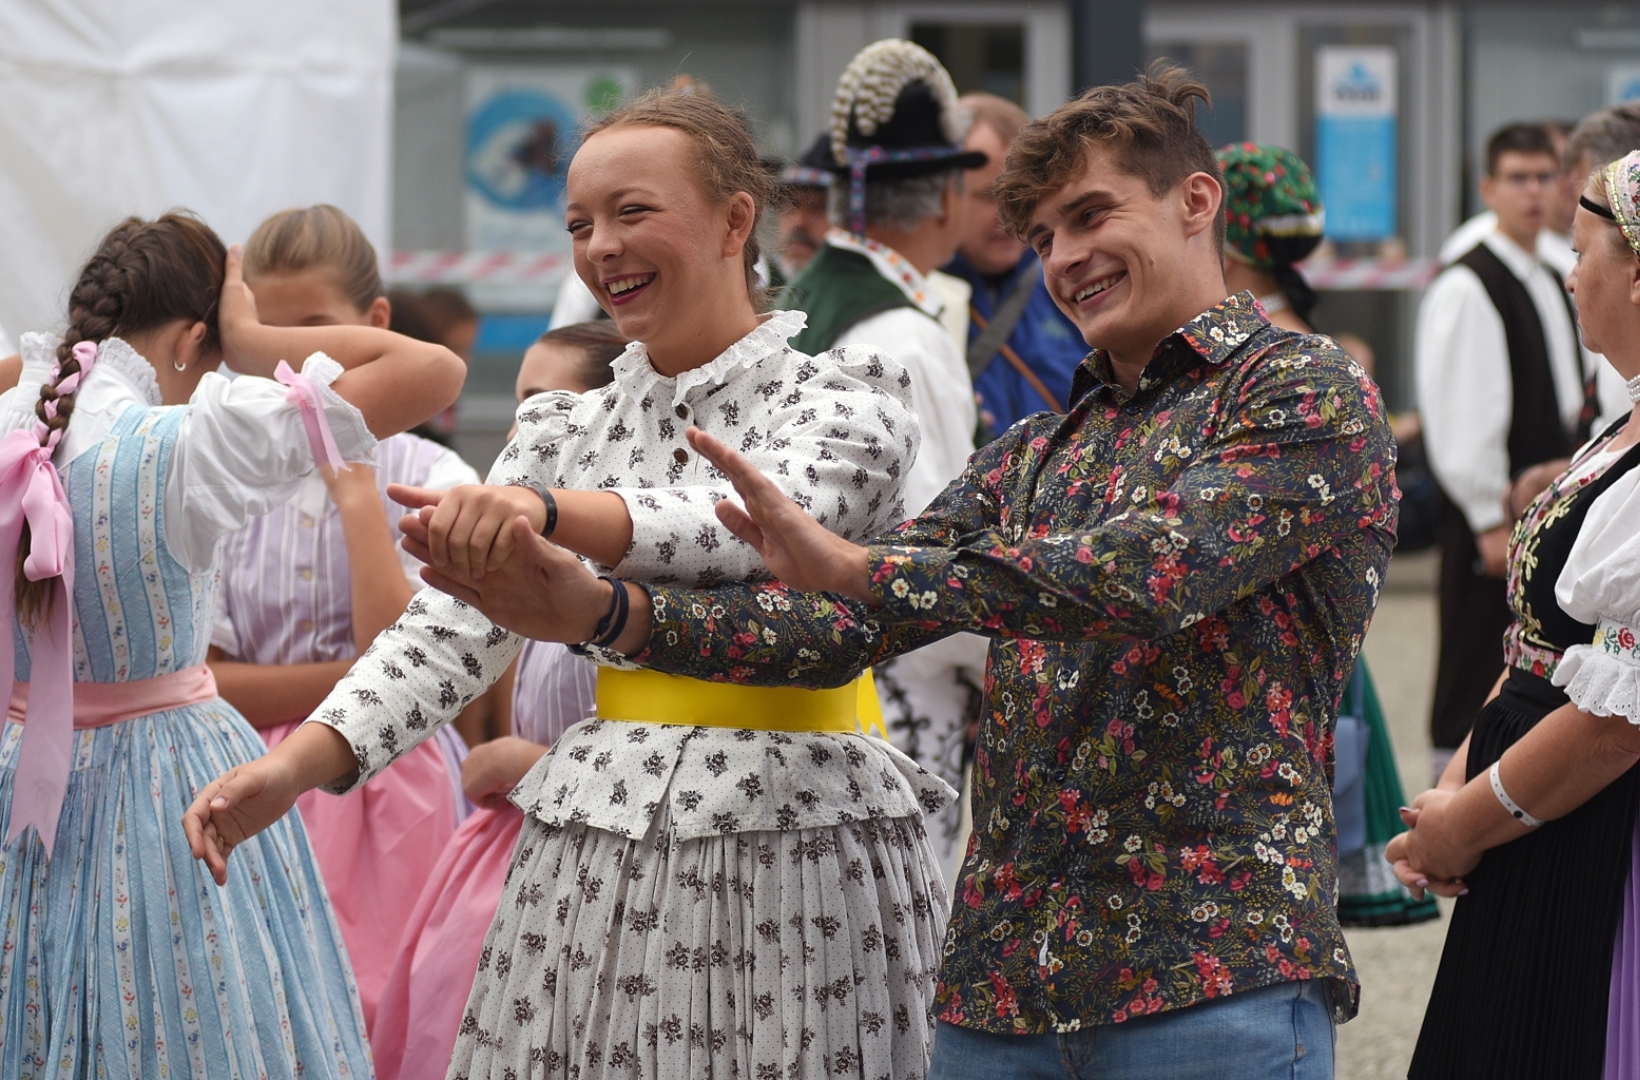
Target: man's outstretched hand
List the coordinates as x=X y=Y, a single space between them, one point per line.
x=796 y=548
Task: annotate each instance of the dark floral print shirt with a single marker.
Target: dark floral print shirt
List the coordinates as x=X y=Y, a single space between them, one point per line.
x=1177 y=583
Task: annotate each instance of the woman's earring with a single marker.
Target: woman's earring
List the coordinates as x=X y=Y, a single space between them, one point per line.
x=179 y=367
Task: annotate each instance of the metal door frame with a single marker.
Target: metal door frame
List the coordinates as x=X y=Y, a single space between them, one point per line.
x=829 y=34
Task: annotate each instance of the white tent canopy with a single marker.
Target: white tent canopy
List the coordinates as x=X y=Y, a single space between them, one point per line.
x=231 y=108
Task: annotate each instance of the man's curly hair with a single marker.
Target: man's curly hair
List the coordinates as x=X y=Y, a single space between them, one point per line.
x=1148 y=125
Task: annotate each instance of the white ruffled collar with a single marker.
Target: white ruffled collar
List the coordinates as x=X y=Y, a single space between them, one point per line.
x=637 y=375
x=124 y=365
x=117 y=358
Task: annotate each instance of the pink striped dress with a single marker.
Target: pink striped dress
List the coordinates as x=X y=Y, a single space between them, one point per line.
x=420 y=1008
x=285 y=599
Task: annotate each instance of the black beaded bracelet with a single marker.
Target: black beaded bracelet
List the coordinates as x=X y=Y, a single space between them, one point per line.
x=547 y=500
x=613 y=624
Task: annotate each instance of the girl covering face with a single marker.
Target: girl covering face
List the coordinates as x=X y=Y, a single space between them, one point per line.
x=122 y=959
x=306 y=588
x=633 y=818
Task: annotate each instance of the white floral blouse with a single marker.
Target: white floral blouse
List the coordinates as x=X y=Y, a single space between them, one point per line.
x=835 y=431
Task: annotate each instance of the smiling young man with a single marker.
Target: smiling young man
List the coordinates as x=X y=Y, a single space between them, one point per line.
x=1176 y=577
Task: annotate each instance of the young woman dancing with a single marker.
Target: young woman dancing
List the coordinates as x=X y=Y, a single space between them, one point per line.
x=710 y=881
x=124 y=463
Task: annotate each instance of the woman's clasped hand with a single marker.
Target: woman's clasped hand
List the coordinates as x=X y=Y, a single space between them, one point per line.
x=1429 y=855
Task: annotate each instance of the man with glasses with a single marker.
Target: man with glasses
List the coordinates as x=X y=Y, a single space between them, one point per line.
x=1501 y=388
x=1554 y=242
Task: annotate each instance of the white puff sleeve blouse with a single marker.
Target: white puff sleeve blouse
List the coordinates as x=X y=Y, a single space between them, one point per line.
x=1600 y=584
x=835 y=432
x=241 y=450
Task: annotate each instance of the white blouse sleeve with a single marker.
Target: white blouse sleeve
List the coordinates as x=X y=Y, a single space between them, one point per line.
x=941 y=396
x=1600 y=584
x=1465 y=397
x=242 y=450
x=839 y=441
x=416 y=677
x=543 y=424
x=17 y=404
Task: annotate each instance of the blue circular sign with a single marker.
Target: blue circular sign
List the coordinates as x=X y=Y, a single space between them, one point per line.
x=519 y=143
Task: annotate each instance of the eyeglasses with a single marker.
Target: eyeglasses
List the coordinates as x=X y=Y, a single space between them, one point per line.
x=1524 y=179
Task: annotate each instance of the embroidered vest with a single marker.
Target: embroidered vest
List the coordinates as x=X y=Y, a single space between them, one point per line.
x=837 y=289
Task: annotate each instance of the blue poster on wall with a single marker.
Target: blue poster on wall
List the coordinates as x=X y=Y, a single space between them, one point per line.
x=523 y=128
x=1355 y=140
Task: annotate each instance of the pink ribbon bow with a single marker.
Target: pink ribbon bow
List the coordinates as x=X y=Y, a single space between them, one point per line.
x=304 y=394
x=31 y=491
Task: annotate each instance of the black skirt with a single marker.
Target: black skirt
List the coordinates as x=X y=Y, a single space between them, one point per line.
x=1523 y=982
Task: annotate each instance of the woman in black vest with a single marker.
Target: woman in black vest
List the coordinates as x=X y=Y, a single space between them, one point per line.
x=1533 y=825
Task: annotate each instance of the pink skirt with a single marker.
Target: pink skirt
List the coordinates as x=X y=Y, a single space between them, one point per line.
x=376 y=849
x=426 y=993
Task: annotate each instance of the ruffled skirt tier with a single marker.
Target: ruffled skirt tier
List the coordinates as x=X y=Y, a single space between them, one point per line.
x=808 y=953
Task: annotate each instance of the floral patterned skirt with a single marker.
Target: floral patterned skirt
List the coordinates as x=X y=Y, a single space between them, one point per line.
x=808 y=953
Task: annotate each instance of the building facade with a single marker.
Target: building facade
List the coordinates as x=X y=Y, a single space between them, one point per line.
x=1391 y=104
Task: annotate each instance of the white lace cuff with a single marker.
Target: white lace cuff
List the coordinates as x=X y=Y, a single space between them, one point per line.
x=1603 y=678
x=353 y=436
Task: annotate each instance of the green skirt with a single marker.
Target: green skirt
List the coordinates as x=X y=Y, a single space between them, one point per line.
x=1368 y=892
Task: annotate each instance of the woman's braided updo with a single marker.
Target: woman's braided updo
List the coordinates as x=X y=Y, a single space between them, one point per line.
x=143 y=275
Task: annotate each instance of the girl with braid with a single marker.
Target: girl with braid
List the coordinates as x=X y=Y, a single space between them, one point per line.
x=125 y=461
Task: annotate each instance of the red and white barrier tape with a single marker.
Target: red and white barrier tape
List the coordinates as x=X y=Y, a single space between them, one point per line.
x=475 y=267
x=1341 y=274
x=517 y=267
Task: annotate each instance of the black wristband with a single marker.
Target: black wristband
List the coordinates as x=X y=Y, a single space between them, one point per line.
x=545 y=494
x=613 y=624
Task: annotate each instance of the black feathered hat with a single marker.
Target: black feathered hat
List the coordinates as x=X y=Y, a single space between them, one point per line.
x=895 y=116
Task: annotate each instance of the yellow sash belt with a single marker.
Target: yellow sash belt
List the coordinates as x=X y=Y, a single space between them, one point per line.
x=654 y=697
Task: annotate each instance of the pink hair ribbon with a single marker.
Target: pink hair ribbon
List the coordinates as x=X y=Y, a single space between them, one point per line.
x=304 y=394
x=31 y=491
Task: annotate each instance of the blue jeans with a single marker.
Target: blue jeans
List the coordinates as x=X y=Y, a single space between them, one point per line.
x=1283 y=1031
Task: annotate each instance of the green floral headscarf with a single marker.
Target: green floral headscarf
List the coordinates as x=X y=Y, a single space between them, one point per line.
x=1272 y=211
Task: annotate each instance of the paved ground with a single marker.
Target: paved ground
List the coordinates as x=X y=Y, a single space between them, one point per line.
x=1397 y=965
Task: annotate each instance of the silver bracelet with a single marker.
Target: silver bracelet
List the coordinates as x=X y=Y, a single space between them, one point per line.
x=1510 y=805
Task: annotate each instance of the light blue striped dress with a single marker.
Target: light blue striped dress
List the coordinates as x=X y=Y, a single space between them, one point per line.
x=121 y=958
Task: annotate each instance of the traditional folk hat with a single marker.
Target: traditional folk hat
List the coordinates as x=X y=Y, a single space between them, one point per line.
x=1621 y=179
x=812 y=170
x=895 y=116
x=1272 y=210
x=1272 y=216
